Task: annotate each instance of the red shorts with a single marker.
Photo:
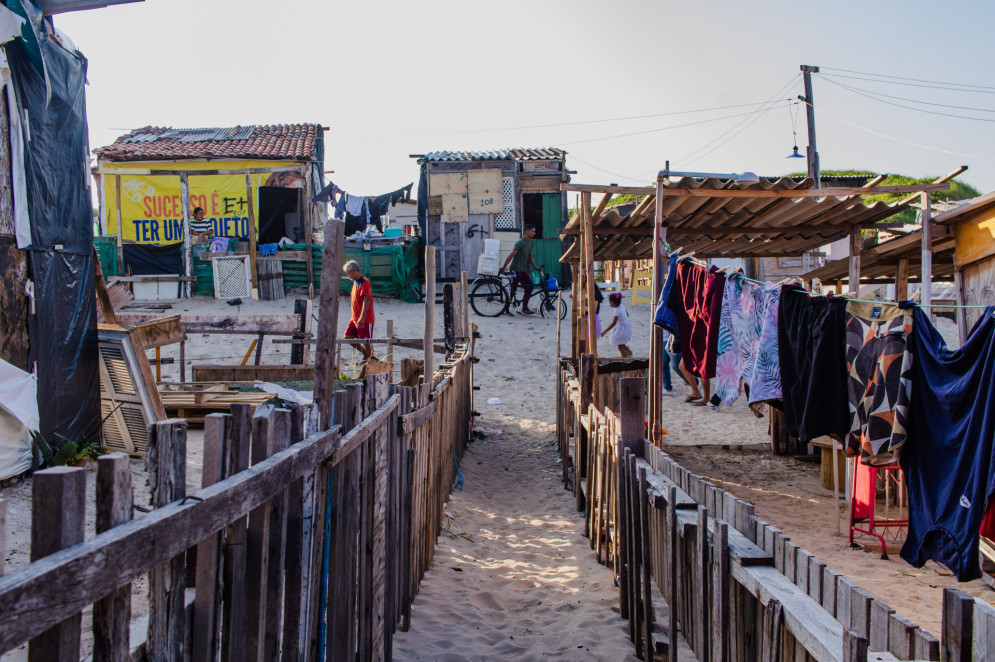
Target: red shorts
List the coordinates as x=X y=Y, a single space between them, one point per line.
x=360 y=331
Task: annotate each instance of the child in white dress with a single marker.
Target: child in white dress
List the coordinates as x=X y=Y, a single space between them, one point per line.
x=620 y=328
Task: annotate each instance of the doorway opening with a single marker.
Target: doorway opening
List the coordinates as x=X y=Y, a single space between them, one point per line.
x=278 y=215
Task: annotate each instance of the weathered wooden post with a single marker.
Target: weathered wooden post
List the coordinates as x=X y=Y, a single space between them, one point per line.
x=958 y=626
x=429 y=336
x=167 y=466
x=112 y=614
x=328 y=320
x=58 y=520
x=205 y=606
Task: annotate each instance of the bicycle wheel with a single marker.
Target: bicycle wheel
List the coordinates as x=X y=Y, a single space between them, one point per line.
x=487 y=298
x=549 y=304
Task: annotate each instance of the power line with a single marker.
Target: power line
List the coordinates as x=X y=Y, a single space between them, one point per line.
x=927 y=103
x=898 y=82
x=823 y=111
x=771 y=103
x=917 y=80
x=665 y=128
x=574 y=157
x=900 y=105
x=581 y=122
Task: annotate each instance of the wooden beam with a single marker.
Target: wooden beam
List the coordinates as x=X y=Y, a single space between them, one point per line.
x=902 y=280
x=656 y=337
x=621 y=190
x=831 y=191
x=926 y=217
x=120 y=229
x=187 y=233
x=159 y=332
x=854 y=272
x=282 y=325
x=252 y=232
x=587 y=264
x=429 y=330
x=242 y=373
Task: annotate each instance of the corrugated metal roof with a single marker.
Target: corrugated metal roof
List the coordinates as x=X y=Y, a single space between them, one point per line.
x=773 y=226
x=878 y=262
x=511 y=154
x=280 y=141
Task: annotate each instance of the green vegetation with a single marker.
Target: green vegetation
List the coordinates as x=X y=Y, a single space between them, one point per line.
x=958 y=190
x=70 y=453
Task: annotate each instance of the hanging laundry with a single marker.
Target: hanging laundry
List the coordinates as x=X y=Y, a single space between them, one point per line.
x=879 y=363
x=666 y=317
x=327 y=194
x=948 y=457
x=696 y=299
x=380 y=204
x=354 y=204
x=737 y=336
x=762 y=371
x=811 y=343
x=340 y=206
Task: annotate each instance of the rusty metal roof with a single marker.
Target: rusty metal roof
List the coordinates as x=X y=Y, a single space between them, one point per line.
x=879 y=264
x=722 y=219
x=294 y=142
x=512 y=154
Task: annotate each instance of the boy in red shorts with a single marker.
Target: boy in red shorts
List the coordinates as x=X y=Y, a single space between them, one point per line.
x=361 y=322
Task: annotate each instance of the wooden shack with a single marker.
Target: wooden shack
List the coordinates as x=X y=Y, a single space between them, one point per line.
x=973 y=226
x=466 y=197
x=254 y=183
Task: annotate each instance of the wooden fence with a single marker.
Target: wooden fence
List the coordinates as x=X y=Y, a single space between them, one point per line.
x=694 y=562
x=295 y=548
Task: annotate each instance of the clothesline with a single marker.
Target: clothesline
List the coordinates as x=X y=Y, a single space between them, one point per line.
x=816 y=294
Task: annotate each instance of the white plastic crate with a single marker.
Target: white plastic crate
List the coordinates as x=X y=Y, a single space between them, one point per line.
x=488 y=265
x=492 y=246
x=232 y=276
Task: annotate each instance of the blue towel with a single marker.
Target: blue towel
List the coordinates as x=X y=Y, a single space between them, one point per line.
x=666 y=317
x=948 y=455
x=267 y=249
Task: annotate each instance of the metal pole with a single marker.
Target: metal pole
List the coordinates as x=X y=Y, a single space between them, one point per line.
x=812 y=155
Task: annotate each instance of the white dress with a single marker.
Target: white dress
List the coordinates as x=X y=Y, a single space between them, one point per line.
x=622 y=331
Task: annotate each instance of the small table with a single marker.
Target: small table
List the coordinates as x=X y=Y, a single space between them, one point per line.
x=826 y=444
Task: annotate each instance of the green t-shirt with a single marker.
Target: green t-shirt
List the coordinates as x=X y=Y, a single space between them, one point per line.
x=523 y=251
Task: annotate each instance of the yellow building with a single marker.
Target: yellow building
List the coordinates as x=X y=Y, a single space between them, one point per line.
x=973 y=226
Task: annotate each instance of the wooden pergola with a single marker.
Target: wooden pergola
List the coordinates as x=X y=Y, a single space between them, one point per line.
x=721 y=218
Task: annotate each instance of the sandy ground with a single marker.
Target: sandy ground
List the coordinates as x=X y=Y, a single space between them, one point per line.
x=527 y=586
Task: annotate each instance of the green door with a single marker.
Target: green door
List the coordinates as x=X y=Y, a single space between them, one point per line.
x=547 y=251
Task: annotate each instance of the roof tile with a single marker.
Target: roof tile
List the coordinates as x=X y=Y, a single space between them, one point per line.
x=279 y=141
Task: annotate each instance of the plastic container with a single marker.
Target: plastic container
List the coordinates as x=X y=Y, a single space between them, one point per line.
x=488 y=265
x=492 y=246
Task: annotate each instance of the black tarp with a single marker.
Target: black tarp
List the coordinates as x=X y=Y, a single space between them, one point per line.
x=145 y=259
x=64 y=331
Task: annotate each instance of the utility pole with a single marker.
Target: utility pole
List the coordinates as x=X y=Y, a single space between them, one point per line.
x=812 y=155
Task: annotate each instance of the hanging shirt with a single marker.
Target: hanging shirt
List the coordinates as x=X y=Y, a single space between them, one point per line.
x=737 y=336
x=622 y=331
x=879 y=365
x=948 y=456
x=811 y=344
x=354 y=204
x=666 y=317
x=696 y=299
x=762 y=371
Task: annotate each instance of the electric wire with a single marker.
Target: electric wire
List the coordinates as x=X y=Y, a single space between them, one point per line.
x=707 y=149
x=917 y=80
x=825 y=112
x=927 y=103
x=923 y=85
x=597 y=121
x=657 y=130
x=901 y=105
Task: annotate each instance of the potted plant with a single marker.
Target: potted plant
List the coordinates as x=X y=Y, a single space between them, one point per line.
x=71 y=453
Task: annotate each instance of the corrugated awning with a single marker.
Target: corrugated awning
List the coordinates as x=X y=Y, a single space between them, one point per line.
x=721 y=218
x=879 y=264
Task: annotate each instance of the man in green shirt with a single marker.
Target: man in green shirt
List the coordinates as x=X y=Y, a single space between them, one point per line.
x=521 y=261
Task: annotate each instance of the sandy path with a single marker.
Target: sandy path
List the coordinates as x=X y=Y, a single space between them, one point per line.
x=528 y=587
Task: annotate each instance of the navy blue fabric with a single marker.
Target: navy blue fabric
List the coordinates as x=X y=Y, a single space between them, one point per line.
x=947 y=458
x=665 y=316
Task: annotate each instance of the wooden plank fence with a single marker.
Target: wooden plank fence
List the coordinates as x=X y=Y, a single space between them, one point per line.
x=694 y=562
x=294 y=548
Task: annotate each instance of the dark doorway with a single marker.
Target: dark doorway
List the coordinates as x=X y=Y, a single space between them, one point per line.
x=532 y=212
x=278 y=217
x=544 y=212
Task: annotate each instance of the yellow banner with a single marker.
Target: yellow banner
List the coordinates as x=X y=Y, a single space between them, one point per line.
x=152 y=207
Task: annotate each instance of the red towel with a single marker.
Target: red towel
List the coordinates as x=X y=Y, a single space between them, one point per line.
x=697 y=300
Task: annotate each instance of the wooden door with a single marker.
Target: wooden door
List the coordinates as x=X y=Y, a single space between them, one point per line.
x=549 y=248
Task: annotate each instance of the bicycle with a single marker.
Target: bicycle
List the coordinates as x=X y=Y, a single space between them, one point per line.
x=489 y=295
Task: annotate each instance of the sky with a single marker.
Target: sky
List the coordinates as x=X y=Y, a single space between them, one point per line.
x=623 y=86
